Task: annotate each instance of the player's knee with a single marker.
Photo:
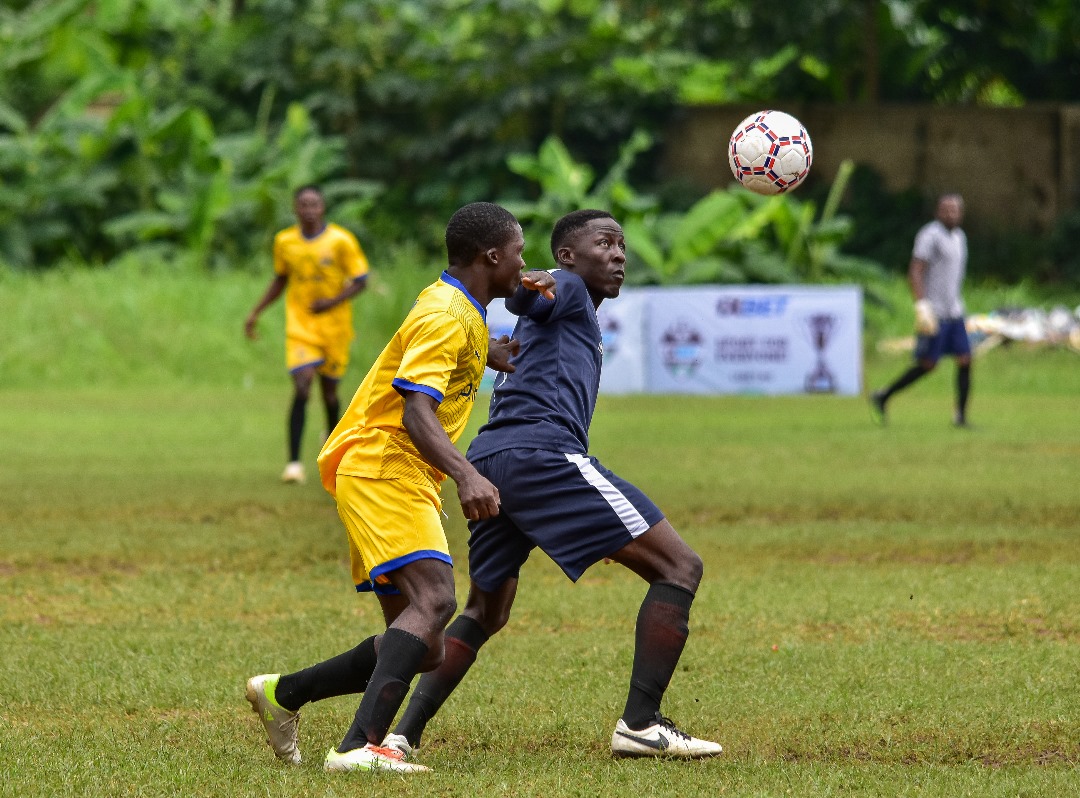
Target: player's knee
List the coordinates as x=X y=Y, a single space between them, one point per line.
x=491 y=619
x=694 y=569
x=442 y=609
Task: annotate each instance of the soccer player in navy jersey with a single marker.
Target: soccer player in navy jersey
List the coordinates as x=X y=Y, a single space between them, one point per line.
x=556 y=496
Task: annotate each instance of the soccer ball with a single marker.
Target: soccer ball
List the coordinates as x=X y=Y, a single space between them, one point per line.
x=770 y=152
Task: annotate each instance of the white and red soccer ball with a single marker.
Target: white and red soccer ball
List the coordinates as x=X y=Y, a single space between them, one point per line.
x=770 y=152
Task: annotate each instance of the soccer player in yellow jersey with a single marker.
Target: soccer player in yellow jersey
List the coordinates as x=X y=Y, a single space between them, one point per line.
x=320 y=267
x=384 y=463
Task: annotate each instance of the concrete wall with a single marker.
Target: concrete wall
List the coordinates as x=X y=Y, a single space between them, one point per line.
x=1016 y=168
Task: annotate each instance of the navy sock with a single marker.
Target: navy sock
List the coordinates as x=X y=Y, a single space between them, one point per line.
x=662 y=629
x=914 y=373
x=463 y=640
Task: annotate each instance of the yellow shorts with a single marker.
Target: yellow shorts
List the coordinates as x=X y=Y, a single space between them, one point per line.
x=391 y=523
x=330 y=358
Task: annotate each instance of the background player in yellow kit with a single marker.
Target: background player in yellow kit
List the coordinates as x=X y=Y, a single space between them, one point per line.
x=320 y=267
x=385 y=463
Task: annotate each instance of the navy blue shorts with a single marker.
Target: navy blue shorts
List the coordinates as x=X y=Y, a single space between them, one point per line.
x=571 y=507
x=951 y=339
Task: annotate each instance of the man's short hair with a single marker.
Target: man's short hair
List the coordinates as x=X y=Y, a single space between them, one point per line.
x=308 y=187
x=571 y=224
x=475 y=228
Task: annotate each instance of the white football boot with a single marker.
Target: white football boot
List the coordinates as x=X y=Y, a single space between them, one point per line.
x=371 y=758
x=661 y=739
x=399 y=742
x=294 y=472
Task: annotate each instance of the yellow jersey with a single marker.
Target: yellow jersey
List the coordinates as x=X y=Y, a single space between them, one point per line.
x=317 y=268
x=440 y=349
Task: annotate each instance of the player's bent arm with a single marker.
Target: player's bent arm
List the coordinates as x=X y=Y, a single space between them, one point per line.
x=273 y=291
x=354 y=287
x=479 y=498
x=500 y=350
x=535 y=297
x=540 y=281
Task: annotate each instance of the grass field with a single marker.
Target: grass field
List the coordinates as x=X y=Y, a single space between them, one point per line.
x=890 y=612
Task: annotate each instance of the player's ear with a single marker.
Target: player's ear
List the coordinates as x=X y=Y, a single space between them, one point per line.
x=493 y=256
x=564 y=256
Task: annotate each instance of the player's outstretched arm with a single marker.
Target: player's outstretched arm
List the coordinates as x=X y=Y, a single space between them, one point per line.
x=479 y=498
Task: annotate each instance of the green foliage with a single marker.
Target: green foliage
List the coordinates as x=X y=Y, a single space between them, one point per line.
x=727 y=236
x=565 y=185
x=138 y=123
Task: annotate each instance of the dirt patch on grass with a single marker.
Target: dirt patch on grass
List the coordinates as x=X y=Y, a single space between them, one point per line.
x=967 y=627
x=923 y=749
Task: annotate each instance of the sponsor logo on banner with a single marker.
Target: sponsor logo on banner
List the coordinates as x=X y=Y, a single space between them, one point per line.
x=609 y=334
x=682 y=346
x=770 y=306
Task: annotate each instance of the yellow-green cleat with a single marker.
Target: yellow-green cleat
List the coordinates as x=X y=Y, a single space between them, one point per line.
x=282 y=725
x=373 y=759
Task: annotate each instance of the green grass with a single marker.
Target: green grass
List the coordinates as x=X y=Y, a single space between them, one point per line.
x=886 y=611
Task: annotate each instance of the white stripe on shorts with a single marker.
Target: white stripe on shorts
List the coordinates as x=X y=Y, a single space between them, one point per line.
x=634 y=522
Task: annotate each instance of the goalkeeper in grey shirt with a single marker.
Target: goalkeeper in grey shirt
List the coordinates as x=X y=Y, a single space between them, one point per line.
x=938 y=261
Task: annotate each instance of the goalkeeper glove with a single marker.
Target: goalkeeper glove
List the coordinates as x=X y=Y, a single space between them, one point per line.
x=925 y=320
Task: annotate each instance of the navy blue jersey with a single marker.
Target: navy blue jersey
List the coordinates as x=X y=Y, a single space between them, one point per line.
x=548 y=402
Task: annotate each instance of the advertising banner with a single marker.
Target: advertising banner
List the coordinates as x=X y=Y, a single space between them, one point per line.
x=725 y=339
x=755 y=339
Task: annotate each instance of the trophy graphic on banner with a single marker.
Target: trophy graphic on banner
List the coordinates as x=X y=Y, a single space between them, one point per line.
x=821 y=327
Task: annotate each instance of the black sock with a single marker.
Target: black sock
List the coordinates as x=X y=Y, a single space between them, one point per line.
x=963 y=388
x=463 y=640
x=296 y=426
x=908 y=377
x=333 y=414
x=341 y=675
x=400 y=655
x=662 y=629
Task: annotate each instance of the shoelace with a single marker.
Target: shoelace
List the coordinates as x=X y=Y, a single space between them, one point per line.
x=392 y=753
x=291 y=723
x=669 y=724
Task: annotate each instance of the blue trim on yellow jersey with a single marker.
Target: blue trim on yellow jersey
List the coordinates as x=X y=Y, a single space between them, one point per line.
x=405 y=385
x=378 y=590
x=318 y=362
x=306 y=237
x=397 y=562
x=446 y=278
